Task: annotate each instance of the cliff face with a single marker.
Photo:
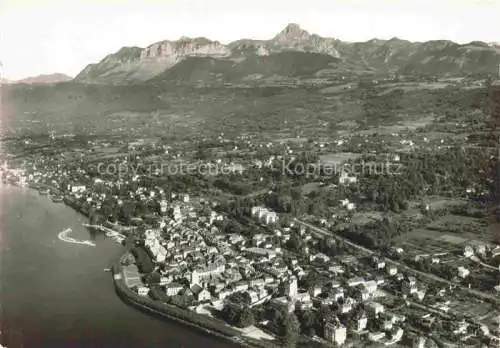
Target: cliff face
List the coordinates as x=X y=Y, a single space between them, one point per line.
x=113 y=68
x=141 y=64
x=185 y=47
x=133 y=64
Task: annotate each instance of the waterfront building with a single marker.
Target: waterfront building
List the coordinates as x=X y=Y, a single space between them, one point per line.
x=143 y=291
x=173 y=289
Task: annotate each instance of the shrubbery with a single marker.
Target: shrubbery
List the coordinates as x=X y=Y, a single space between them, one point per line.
x=142 y=259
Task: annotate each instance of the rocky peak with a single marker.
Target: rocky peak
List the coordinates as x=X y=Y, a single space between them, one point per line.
x=185 y=40
x=184 y=47
x=292 y=33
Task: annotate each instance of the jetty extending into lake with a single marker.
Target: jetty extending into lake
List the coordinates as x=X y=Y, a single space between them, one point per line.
x=109 y=232
x=65 y=238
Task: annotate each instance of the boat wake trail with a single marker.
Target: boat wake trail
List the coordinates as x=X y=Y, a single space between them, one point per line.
x=65 y=238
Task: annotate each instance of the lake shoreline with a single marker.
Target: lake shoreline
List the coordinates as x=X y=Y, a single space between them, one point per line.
x=74 y=296
x=131 y=298
x=146 y=304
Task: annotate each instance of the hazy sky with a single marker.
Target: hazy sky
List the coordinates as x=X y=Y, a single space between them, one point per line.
x=46 y=36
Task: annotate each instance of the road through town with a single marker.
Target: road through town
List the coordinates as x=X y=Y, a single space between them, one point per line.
x=323 y=232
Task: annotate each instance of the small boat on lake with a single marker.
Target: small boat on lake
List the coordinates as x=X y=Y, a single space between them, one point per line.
x=57 y=199
x=64 y=236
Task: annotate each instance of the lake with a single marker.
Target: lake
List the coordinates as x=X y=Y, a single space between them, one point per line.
x=56 y=294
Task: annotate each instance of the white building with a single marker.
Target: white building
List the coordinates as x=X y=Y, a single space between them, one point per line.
x=463 y=272
x=163 y=207
x=203 y=295
x=177 y=213
x=173 y=289
x=468 y=251
x=348 y=305
x=410 y=285
x=346 y=179
x=200 y=274
x=143 y=291
x=78 y=188
x=376 y=336
x=375 y=308
x=355 y=281
x=335 y=332
x=392 y=270
x=361 y=323
x=305 y=299
x=370 y=286
x=159 y=252
x=264 y=215
x=291 y=287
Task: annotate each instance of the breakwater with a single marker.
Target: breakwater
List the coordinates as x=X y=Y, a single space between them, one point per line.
x=207 y=325
x=109 y=232
x=203 y=323
x=64 y=236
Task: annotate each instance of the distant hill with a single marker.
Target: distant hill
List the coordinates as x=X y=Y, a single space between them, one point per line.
x=285 y=64
x=292 y=52
x=44 y=79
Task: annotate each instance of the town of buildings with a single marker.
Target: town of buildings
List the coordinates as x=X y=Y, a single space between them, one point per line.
x=357 y=294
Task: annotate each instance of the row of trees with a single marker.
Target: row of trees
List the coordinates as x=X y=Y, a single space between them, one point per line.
x=142 y=259
x=286 y=325
x=444 y=173
x=380 y=234
x=240 y=316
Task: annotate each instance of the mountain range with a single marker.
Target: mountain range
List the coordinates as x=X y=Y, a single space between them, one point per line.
x=41 y=79
x=293 y=52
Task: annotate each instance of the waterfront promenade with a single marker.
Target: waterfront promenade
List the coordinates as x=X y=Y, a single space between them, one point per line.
x=123 y=276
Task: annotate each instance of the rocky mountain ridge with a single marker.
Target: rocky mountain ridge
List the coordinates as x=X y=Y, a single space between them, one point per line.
x=135 y=64
x=41 y=79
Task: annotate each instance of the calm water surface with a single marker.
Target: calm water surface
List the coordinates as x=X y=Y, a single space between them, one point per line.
x=56 y=294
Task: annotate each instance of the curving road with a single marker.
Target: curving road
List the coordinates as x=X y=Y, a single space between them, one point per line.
x=322 y=232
